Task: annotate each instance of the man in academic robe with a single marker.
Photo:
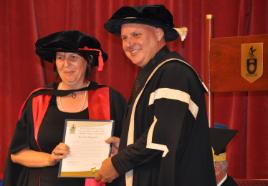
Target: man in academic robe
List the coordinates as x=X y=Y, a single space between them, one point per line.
x=165 y=136
x=220 y=137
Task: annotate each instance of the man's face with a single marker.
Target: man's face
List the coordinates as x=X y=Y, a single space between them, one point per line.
x=140 y=42
x=220 y=170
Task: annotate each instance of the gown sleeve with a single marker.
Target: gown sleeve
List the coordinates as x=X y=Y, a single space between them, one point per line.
x=16 y=174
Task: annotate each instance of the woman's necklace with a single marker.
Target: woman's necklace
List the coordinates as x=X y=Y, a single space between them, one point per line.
x=73 y=95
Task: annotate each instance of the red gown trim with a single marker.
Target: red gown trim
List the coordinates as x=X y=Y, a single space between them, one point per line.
x=39 y=107
x=99 y=104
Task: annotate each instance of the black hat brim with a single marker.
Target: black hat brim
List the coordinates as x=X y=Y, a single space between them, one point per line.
x=69 y=41
x=114 y=26
x=220 y=138
x=49 y=55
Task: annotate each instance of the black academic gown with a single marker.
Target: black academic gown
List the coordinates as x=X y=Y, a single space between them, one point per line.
x=50 y=134
x=229 y=182
x=171 y=140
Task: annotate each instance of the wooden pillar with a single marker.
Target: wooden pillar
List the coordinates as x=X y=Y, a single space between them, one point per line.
x=208 y=36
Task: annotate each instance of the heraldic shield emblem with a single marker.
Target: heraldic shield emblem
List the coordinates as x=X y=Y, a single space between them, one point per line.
x=251 y=61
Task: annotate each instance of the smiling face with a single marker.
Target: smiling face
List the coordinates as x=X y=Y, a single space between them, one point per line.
x=71 y=68
x=141 y=42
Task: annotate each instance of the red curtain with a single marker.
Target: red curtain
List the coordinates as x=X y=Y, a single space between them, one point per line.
x=22 y=22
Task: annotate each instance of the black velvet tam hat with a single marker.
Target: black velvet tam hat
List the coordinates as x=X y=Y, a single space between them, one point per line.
x=153 y=15
x=220 y=136
x=71 y=41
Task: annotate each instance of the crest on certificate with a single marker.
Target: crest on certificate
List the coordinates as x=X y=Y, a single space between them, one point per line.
x=251 y=61
x=72 y=129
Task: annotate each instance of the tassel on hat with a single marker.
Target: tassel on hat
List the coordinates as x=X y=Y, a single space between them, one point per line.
x=100 y=58
x=182 y=31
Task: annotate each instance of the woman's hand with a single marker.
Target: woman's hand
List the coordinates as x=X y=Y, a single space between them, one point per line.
x=114 y=141
x=32 y=158
x=59 y=152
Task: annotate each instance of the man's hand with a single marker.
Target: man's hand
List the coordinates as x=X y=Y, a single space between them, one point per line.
x=114 y=141
x=107 y=172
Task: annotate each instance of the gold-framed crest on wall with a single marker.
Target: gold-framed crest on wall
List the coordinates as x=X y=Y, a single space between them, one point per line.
x=251 y=61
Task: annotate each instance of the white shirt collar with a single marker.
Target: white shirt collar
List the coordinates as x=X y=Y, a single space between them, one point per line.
x=223 y=180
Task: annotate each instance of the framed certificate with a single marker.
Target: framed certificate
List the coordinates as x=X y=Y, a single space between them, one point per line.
x=86 y=140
